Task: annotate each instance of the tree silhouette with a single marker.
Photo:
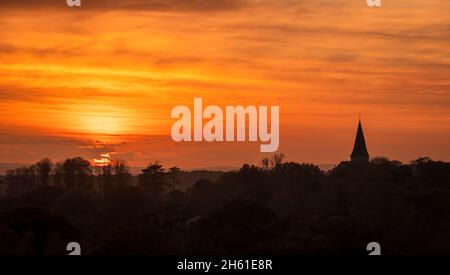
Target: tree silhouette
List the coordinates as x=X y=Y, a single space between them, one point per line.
x=19 y=180
x=44 y=167
x=153 y=179
x=58 y=174
x=276 y=161
x=105 y=177
x=122 y=175
x=265 y=162
x=173 y=175
x=76 y=173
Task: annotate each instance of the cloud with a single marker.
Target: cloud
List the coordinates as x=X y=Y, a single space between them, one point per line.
x=146 y=5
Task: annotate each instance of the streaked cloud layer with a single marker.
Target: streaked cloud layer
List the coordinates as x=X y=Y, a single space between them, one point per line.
x=152 y=5
x=109 y=75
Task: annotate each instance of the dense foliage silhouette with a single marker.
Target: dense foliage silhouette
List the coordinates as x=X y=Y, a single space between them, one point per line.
x=276 y=208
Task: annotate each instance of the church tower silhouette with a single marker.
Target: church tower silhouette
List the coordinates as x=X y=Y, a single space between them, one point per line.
x=360 y=154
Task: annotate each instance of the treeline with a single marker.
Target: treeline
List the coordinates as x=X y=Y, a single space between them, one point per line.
x=275 y=207
x=79 y=173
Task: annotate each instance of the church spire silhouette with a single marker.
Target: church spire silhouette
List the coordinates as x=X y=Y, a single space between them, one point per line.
x=359 y=153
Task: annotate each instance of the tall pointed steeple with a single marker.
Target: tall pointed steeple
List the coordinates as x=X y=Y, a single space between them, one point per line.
x=360 y=154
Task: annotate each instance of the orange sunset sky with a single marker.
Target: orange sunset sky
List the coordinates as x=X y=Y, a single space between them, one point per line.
x=104 y=78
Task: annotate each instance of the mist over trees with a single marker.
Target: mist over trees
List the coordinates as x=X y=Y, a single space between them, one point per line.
x=276 y=207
